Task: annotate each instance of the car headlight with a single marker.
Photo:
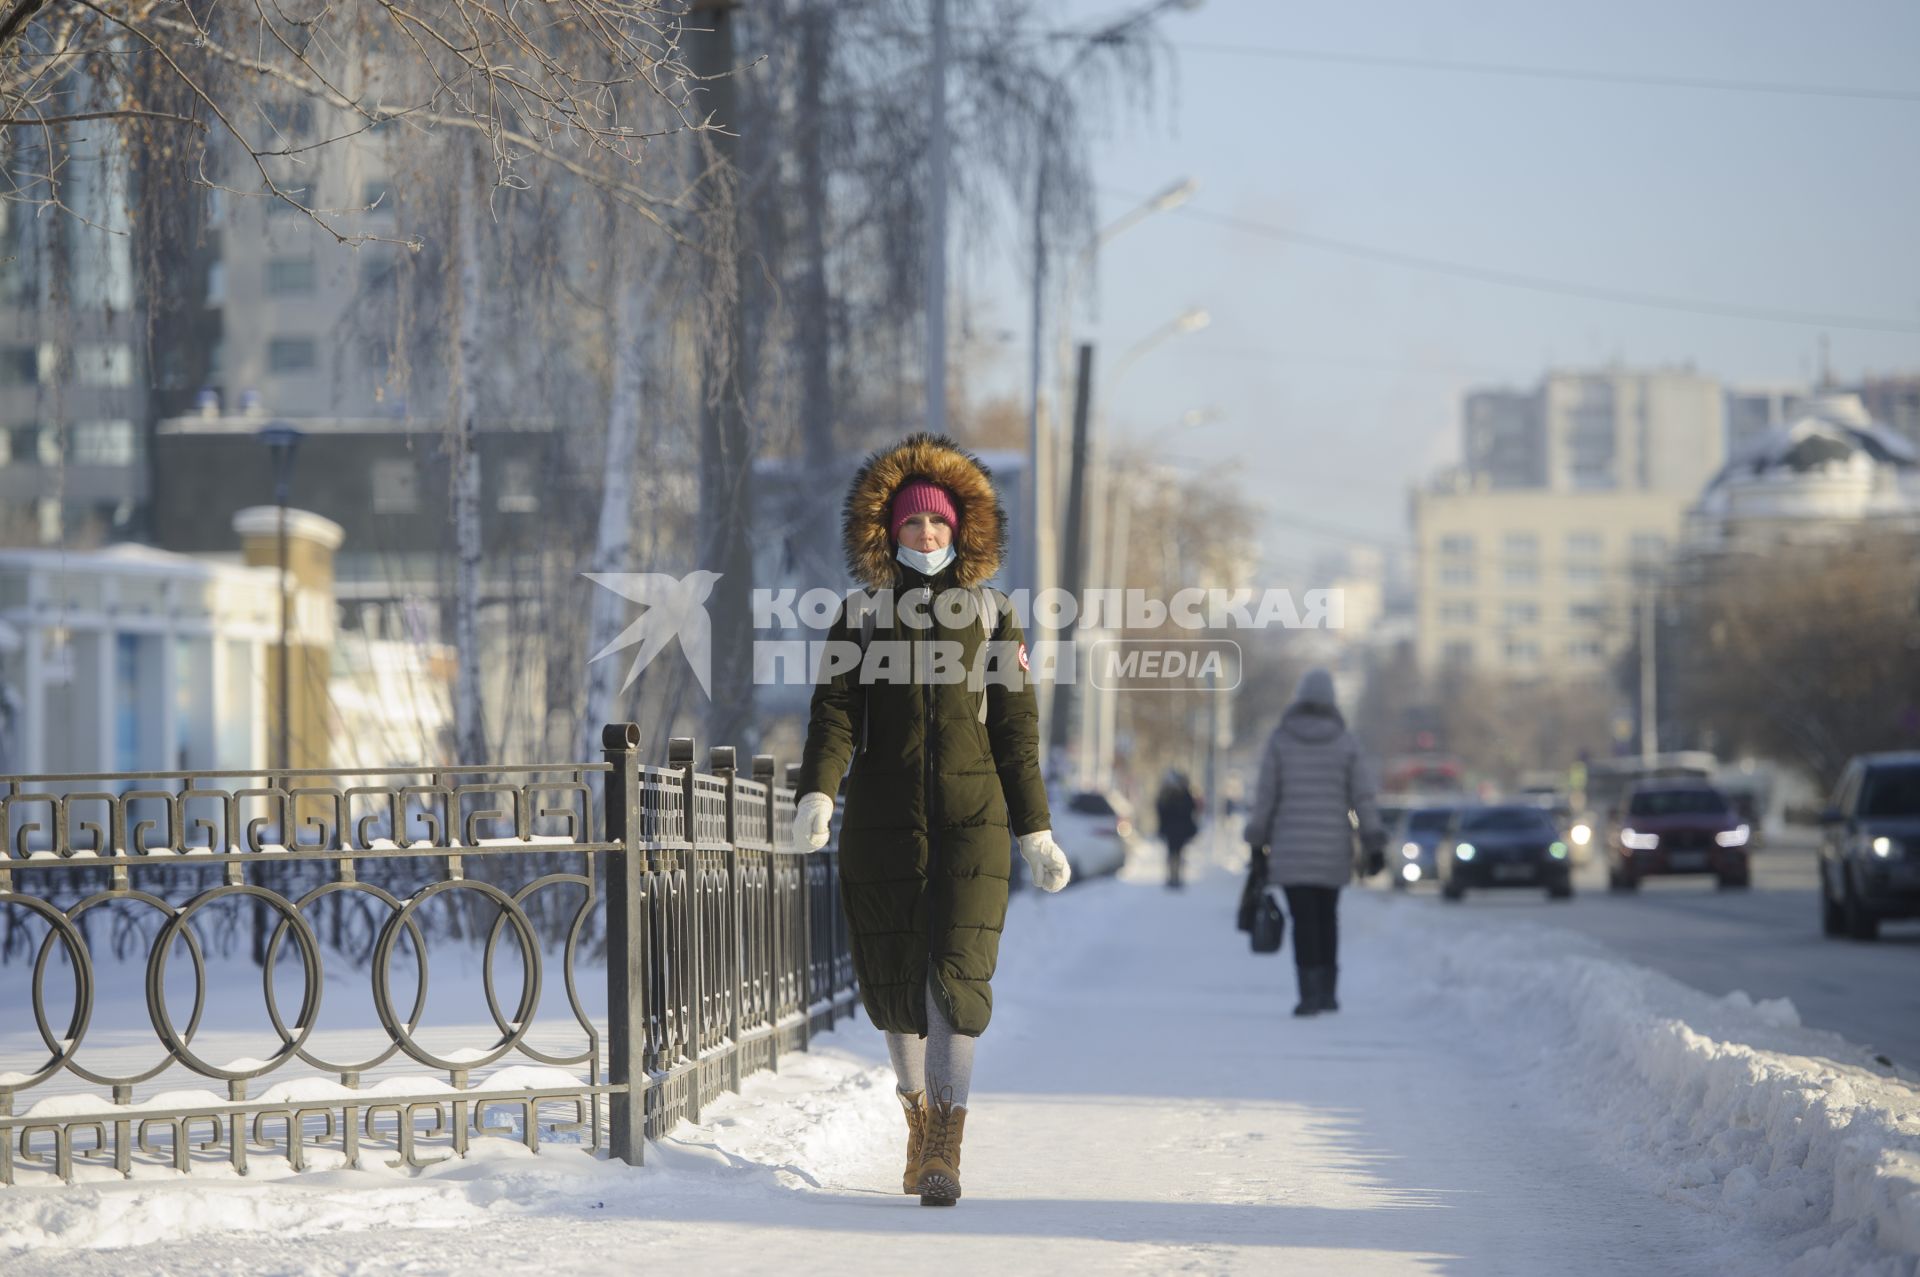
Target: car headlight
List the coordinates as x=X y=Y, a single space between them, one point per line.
x=1464 y=851
x=1633 y=840
x=1732 y=837
x=1410 y=872
x=1883 y=847
x=1580 y=834
x=1558 y=851
x=1411 y=850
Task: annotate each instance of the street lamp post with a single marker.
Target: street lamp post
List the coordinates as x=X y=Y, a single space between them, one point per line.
x=282 y=441
x=1043 y=490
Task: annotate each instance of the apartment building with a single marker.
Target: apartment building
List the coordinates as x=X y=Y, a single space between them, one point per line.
x=1539 y=583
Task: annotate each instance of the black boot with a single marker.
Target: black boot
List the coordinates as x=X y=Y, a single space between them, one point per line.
x=1329 y=978
x=1309 y=978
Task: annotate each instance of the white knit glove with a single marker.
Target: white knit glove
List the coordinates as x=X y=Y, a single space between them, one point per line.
x=1046 y=863
x=811 y=816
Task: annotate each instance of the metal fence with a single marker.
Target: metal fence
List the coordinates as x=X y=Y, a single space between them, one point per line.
x=723 y=947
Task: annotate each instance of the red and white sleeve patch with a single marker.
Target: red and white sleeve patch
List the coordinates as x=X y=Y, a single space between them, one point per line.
x=1023 y=657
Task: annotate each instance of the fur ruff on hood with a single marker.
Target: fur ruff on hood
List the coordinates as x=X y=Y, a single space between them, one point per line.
x=979 y=540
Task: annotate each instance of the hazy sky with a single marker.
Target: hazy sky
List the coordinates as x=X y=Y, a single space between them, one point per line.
x=1339 y=378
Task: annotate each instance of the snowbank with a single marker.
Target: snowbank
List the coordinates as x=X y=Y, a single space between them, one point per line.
x=776 y=1119
x=1723 y=1103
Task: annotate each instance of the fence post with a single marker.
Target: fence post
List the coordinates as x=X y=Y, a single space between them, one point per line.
x=806 y=929
x=693 y=933
x=626 y=945
x=721 y=763
x=764 y=771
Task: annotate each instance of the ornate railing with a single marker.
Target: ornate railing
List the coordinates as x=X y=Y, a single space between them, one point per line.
x=130 y=904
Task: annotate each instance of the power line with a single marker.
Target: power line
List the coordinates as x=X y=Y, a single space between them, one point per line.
x=1540 y=283
x=1514 y=70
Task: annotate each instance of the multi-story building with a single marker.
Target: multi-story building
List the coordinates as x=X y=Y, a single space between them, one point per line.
x=1753 y=412
x=298 y=328
x=1531 y=584
x=1612 y=429
x=1893 y=402
x=72 y=380
x=1502 y=439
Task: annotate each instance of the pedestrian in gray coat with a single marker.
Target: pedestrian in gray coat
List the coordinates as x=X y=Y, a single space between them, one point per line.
x=1313 y=773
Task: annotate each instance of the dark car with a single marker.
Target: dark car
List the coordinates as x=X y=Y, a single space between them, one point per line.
x=1870 y=846
x=1511 y=845
x=1414 y=846
x=1679 y=825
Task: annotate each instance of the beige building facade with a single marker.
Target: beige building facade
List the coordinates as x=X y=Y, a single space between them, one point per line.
x=1536 y=584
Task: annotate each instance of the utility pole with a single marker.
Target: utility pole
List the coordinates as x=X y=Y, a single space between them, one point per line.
x=937 y=228
x=1649 y=691
x=726 y=466
x=1037 y=518
x=1072 y=559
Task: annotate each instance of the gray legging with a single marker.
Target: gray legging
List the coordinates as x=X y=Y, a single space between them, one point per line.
x=941 y=1064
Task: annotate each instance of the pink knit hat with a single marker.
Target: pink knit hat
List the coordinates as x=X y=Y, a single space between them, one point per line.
x=920 y=496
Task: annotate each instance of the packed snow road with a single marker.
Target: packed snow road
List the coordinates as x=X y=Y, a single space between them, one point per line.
x=1764 y=941
x=1494 y=1098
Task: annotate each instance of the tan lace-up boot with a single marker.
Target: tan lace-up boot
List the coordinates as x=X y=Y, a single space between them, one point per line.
x=940 y=1156
x=915 y=1104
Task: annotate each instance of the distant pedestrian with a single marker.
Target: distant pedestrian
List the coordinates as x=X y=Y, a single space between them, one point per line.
x=1178 y=811
x=938 y=769
x=1313 y=773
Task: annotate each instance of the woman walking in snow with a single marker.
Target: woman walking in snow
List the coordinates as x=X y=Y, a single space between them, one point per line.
x=1313 y=773
x=941 y=768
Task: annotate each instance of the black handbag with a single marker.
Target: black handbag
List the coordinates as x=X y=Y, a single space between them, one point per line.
x=1269 y=924
x=1250 y=891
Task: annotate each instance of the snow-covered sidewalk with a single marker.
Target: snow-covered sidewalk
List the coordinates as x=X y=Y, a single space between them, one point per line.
x=1494 y=1098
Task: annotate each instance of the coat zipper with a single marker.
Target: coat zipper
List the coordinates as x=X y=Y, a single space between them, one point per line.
x=926 y=691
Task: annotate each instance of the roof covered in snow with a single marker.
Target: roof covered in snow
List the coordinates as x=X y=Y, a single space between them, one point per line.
x=1832 y=462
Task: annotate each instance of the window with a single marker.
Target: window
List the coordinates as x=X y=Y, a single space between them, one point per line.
x=1521 y=574
x=292 y=118
x=1649 y=545
x=1678 y=802
x=1457 y=652
x=1089 y=802
x=1584 y=544
x=1507 y=820
x=1587 y=612
x=1586 y=649
x=1523 y=545
x=292 y=354
x=396 y=486
x=1458 y=612
x=377 y=270
x=19 y=366
x=104 y=364
x=290 y=276
x=1585 y=573
x=518 y=494
x=1522 y=613
x=33 y=445
x=1457 y=574
x=1456 y=543
x=1522 y=651
x=103 y=443
x=1891 y=791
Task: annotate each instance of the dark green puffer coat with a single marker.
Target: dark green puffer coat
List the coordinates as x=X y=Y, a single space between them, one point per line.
x=925 y=852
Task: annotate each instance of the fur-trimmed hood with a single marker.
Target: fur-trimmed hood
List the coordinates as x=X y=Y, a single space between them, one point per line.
x=979 y=541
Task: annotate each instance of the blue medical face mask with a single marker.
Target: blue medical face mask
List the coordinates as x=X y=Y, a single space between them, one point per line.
x=924 y=563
